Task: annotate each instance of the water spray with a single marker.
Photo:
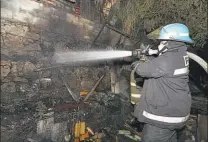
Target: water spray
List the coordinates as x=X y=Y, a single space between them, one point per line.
x=85 y=56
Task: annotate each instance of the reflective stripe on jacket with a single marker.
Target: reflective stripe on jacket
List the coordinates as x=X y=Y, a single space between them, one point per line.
x=165 y=119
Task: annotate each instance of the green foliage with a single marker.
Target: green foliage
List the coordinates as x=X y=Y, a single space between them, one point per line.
x=156 y=13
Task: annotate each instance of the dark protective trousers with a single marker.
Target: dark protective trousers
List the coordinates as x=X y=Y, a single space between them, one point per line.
x=155 y=134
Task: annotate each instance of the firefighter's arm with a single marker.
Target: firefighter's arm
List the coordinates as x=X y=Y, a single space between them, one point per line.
x=152 y=68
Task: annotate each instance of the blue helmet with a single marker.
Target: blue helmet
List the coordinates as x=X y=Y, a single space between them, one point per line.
x=176 y=31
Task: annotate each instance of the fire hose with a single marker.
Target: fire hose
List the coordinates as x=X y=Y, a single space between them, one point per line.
x=135 y=91
x=199 y=60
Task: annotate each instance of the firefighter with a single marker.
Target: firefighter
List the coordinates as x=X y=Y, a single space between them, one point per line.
x=165 y=102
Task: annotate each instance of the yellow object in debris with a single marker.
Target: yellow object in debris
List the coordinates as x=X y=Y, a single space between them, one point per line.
x=77 y=129
x=83 y=93
x=89 y=130
x=84 y=136
x=80 y=128
x=77 y=140
x=135 y=92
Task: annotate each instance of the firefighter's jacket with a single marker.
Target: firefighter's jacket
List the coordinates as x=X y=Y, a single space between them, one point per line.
x=165 y=98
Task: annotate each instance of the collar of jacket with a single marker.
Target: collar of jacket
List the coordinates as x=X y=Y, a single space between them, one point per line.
x=174 y=46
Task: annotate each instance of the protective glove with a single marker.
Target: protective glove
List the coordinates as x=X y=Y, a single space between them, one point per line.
x=152 y=52
x=146 y=50
x=149 y=52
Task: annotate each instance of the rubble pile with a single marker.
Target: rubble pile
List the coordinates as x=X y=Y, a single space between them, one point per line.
x=104 y=113
x=50 y=116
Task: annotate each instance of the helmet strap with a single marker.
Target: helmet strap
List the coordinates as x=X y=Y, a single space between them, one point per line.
x=162 y=50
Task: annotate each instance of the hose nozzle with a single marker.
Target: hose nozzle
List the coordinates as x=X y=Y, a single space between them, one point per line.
x=136 y=53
